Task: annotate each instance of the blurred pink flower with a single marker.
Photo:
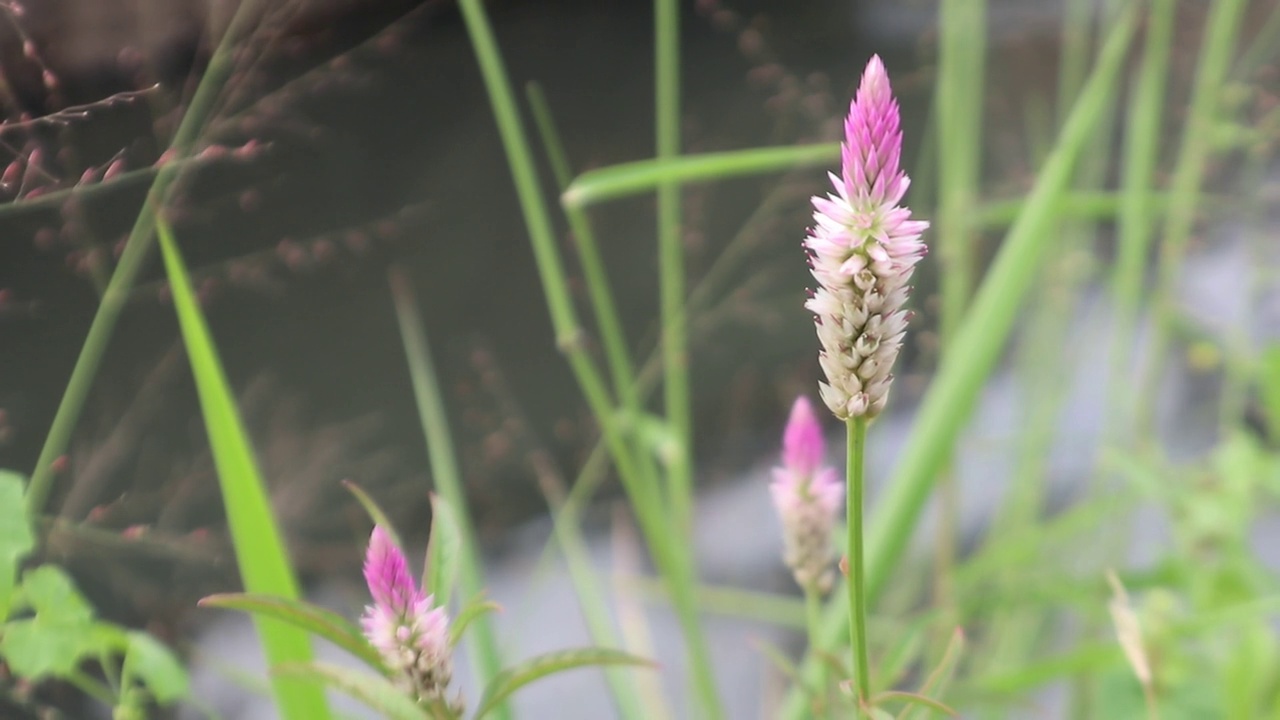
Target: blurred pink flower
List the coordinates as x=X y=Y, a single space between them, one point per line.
x=862 y=250
x=808 y=497
x=402 y=623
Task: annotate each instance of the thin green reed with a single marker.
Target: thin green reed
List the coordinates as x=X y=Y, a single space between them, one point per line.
x=980 y=338
x=958 y=107
x=1221 y=34
x=671 y=282
x=670 y=555
x=608 y=323
x=565 y=514
x=1142 y=136
x=481 y=641
x=135 y=252
x=260 y=552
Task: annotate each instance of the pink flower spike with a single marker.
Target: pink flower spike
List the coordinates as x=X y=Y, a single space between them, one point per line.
x=802 y=443
x=808 y=498
x=862 y=250
x=403 y=624
x=387 y=573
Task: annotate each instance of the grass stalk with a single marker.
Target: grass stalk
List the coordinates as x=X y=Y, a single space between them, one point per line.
x=1220 y=37
x=671 y=281
x=958 y=108
x=481 y=640
x=136 y=249
x=669 y=555
x=982 y=334
x=260 y=552
x=1136 y=220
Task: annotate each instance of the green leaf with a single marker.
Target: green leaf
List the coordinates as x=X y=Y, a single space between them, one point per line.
x=260 y=552
x=150 y=662
x=477 y=607
x=16 y=539
x=916 y=699
x=510 y=680
x=373 y=690
x=633 y=178
x=443 y=552
x=327 y=624
x=35 y=648
x=53 y=595
x=374 y=511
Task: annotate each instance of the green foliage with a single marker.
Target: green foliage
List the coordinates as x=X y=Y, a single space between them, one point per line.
x=260 y=552
x=511 y=680
x=304 y=616
x=48 y=630
x=444 y=552
x=377 y=692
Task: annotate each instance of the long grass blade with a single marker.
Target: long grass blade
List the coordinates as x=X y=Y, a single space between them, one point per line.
x=260 y=552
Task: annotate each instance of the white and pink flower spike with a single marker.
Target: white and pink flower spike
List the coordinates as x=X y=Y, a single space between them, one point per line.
x=862 y=250
x=402 y=624
x=808 y=496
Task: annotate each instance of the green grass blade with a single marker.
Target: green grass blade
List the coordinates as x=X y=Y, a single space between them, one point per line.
x=543 y=665
x=981 y=337
x=633 y=178
x=482 y=642
x=316 y=620
x=260 y=553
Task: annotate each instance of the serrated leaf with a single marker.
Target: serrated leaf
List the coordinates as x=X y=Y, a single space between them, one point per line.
x=35 y=649
x=16 y=539
x=373 y=690
x=152 y=663
x=53 y=595
x=325 y=623
x=443 y=552
x=477 y=607
x=512 y=679
x=374 y=512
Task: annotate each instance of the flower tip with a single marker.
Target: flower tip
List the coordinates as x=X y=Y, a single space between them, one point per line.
x=802 y=443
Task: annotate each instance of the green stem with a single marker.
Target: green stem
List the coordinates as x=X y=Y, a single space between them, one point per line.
x=481 y=641
x=136 y=248
x=857 y=432
x=671 y=289
x=813 y=622
x=670 y=555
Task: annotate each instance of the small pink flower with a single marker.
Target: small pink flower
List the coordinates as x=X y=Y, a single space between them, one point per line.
x=808 y=498
x=862 y=249
x=402 y=623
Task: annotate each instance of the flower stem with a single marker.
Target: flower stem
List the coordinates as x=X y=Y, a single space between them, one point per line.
x=813 y=621
x=857 y=429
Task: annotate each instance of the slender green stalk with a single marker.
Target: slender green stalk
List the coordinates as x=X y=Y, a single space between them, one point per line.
x=669 y=554
x=958 y=106
x=135 y=253
x=607 y=322
x=261 y=556
x=981 y=336
x=1220 y=36
x=1136 y=221
x=642 y=176
x=857 y=437
x=671 y=281
x=1077 y=22
x=480 y=640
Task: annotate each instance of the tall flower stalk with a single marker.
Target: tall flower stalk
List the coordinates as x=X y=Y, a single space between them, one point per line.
x=863 y=248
